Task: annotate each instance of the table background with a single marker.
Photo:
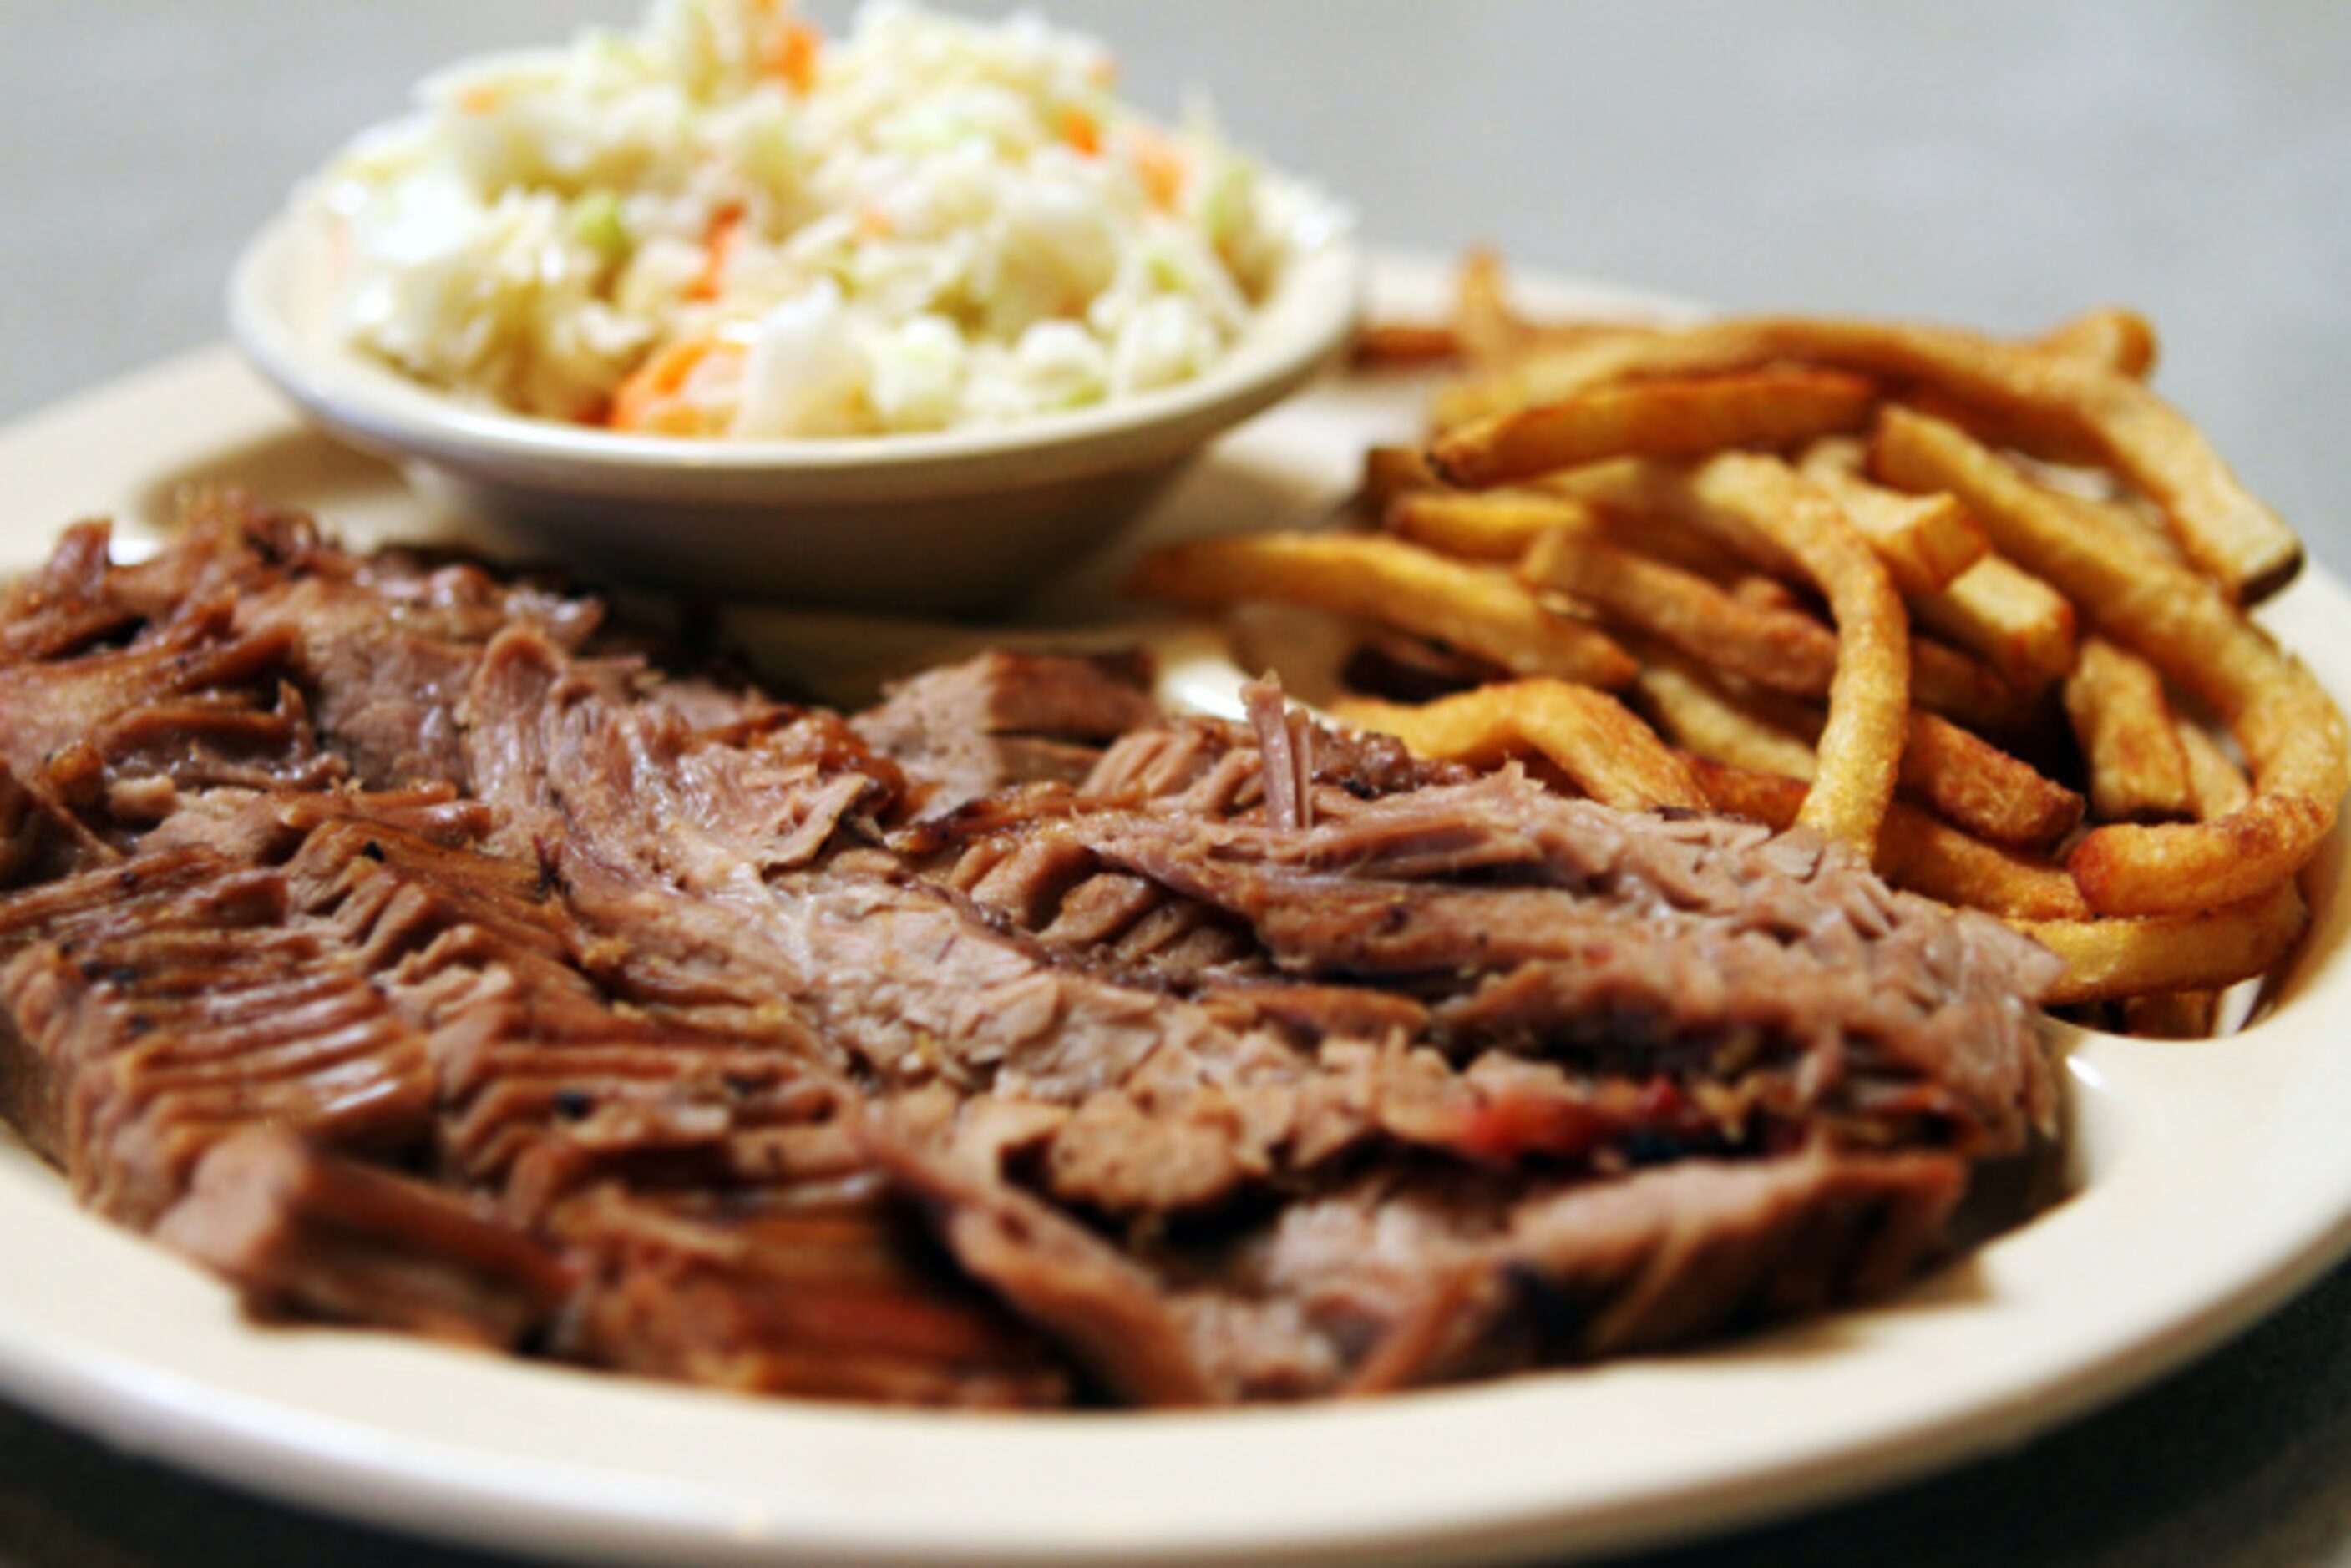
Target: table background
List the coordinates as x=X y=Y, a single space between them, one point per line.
x=1993 y=164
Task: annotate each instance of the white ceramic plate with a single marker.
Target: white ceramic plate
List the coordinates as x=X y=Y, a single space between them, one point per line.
x=2216 y=1180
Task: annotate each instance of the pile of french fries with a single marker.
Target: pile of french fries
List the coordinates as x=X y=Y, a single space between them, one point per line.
x=1974 y=607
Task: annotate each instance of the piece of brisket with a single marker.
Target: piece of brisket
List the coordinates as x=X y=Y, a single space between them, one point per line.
x=394 y=937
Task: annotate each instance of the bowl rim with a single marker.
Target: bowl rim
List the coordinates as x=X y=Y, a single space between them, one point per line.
x=1299 y=328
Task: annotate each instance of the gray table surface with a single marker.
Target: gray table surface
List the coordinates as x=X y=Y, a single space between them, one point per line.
x=1997 y=164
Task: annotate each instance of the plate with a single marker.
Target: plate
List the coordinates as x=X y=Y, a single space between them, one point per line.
x=2213 y=1181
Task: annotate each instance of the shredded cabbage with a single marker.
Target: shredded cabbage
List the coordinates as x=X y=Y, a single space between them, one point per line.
x=721 y=223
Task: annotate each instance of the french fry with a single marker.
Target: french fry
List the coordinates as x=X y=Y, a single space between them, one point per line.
x=2138 y=769
x=1637 y=488
x=2036 y=439
x=2291 y=733
x=2104 y=535
x=1968 y=691
x=1699 y=716
x=1489 y=329
x=1965 y=780
x=1393 y=471
x=1478 y=397
x=1914 y=850
x=1475 y=610
x=1485 y=329
x=1482 y=525
x=2104 y=516
x=2210 y=949
x=1404 y=346
x=2219 y=785
x=2119 y=340
x=1501 y=524
x=1588 y=735
x=2021 y=627
x=1942 y=563
x=1776 y=648
x=1973 y=784
x=1925 y=541
x=2122 y=340
x=1760 y=592
x=1653 y=419
x=1784 y=650
x=2221 y=788
x=1860 y=748
x=2116 y=339
x=1504 y=347
x=2232 y=536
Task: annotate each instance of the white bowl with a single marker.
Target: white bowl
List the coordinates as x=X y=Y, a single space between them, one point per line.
x=953 y=521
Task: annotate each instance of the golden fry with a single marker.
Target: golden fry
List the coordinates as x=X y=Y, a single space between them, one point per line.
x=1925 y=541
x=1499 y=342
x=1973 y=784
x=1390 y=471
x=1782 y=650
x=2138 y=769
x=2115 y=340
x=2229 y=535
x=2012 y=620
x=1960 y=777
x=2035 y=439
x=1966 y=691
x=2291 y=733
x=2111 y=337
x=1475 y=610
x=2219 y=785
x=1640 y=488
x=2121 y=340
x=1404 y=346
x=1760 y=592
x=1653 y=419
x=1646 y=493
x=1777 y=648
x=2107 y=513
x=1482 y=525
x=1699 y=716
x=2221 y=788
x=1501 y=524
x=2207 y=950
x=1588 y=735
x=1489 y=330
x=1869 y=700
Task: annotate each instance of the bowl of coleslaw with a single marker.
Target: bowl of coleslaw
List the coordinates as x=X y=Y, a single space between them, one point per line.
x=907 y=318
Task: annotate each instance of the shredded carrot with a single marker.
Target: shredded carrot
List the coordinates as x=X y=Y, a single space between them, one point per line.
x=648 y=402
x=719 y=246
x=1160 y=163
x=1081 y=130
x=481 y=99
x=792 y=54
x=873 y=222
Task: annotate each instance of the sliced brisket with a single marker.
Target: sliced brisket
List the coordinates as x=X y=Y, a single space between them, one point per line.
x=395 y=939
x=973 y=729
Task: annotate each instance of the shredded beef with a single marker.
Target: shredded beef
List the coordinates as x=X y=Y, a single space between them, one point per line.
x=412 y=949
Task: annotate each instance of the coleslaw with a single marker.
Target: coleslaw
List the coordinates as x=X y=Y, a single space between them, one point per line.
x=725 y=223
